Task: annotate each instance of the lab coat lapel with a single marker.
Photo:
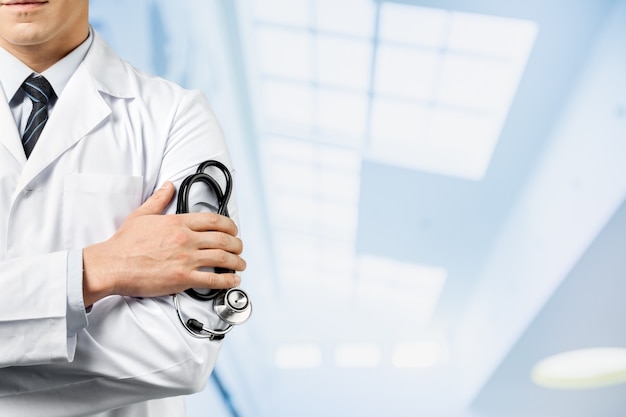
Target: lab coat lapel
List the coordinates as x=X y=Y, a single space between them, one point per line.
x=10 y=137
x=77 y=111
x=80 y=108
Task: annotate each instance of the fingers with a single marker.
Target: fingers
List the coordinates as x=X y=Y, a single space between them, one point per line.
x=205 y=221
x=213 y=280
x=221 y=259
x=157 y=202
x=219 y=240
x=201 y=222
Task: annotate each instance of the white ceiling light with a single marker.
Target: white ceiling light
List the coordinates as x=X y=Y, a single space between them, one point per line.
x=583 y=368
x=298 y=356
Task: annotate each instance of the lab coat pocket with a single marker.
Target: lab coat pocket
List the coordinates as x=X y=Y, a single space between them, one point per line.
x=94 y=206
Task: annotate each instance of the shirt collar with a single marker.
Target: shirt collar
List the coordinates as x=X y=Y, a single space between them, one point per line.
x=14 y=71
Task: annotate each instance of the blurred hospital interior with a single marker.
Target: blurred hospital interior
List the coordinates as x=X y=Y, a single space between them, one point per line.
x=431 y=196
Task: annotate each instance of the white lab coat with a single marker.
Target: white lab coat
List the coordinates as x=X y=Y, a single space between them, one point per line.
x=114 y=136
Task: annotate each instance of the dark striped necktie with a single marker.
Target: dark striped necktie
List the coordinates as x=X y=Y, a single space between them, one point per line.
x=40 y=92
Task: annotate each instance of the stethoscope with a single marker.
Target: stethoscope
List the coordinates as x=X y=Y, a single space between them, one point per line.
x=232 y=306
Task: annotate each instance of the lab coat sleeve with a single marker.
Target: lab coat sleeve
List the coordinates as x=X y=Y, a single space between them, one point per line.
x=38 y=333
x=133 y=349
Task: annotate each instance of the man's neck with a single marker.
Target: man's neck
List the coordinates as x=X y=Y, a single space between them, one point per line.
x=41 y=57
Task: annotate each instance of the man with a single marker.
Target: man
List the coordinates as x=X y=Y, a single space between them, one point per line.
x=87 y=257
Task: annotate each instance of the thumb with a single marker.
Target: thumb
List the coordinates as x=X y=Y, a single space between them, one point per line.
x=157 y=202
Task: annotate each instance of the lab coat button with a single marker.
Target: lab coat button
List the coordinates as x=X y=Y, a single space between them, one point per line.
x=27 y=192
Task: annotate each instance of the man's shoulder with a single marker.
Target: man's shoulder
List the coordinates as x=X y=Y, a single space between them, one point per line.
x=118 y=77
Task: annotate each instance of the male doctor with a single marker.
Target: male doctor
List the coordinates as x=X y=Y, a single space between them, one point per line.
x=91 y=151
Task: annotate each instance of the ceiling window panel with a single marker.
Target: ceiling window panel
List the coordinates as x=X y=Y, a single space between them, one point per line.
x=343 y=62
x=338 y=219
x=292 y=12
x=278 y=147
x=309 y=168
x=319 y=277
x=272 y=42
x=339 y=185
x=410 y=287
x=334 y=186
x=460 y=143
x=477 y=84
x=313 y=260
x=298 y=277
x=287 y=175
x=406 y=72
x=310 y=214
x=465 y=74
x=418 y=26
x=349 y=17
x=305 y=247
x=296 y=247
x=455 y=143
x=342 y=115
x=340 y=159
x=336 y=269
x=340 y=252
x=395 y=122
x=286 y=104
x=330 y=275
x=294 y=211
x=302 y=151
x=491 y=35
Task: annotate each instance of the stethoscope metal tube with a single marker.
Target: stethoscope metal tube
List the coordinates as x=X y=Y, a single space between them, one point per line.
x=233 y=305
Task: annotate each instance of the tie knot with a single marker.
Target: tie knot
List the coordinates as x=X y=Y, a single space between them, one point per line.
x=38 y=89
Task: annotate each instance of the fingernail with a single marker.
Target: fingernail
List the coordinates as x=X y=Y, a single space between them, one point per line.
x=165 y=185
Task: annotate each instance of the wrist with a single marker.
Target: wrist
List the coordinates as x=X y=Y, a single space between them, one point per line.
x=97 y=281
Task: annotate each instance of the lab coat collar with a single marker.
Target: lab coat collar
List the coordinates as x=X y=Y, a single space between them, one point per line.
x=78 y=110
x=107 y=70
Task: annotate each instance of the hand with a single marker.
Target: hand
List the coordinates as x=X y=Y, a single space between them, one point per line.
x=154 y=254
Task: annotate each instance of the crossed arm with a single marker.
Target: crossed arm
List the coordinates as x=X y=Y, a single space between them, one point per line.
x=134 y=348
x=153 y=255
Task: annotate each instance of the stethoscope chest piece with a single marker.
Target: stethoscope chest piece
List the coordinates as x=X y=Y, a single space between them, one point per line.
x=233 y=306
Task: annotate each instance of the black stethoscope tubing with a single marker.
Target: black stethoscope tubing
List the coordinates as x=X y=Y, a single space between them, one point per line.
x=231 y=311
x=182 y=206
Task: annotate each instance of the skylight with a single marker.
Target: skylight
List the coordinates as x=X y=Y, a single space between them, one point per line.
x=452 y=77
x=339 y=82
x=427 y=89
